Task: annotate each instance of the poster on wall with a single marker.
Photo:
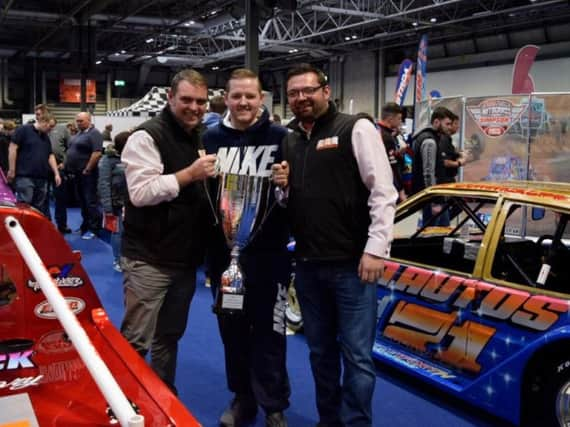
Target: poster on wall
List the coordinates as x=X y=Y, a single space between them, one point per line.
x=70 y=91
x=494 y=142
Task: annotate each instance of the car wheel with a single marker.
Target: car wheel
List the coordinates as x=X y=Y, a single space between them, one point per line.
x=546 y=393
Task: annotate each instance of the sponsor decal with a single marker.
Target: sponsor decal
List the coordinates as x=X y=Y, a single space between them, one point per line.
x=60 y=275
x=16 y=360
x=421 y=69
x=64 y=371
x=459 y=342
x=20 y=383
x=496 y=116
x=411 y=362
x=404 y=77
x=44 y=310
x=327 y=143
x=54 y=342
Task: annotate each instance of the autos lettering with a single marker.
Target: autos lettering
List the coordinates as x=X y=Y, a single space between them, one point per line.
x=20 y=383
x=533 y=312
x=16 y=360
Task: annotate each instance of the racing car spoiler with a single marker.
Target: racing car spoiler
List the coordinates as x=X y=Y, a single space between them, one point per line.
x=101 y=374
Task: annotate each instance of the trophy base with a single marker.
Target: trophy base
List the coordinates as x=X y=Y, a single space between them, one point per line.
x=229 y=302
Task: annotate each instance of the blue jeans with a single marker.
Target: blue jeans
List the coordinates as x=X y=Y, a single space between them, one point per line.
x=33 y=191
x=116 y=238
x=339 y=314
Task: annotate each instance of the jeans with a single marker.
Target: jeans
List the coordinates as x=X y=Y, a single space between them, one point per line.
x=116 y=238
x=33 y=191
x=86 y=190
x=441 y=221
x=339 y=314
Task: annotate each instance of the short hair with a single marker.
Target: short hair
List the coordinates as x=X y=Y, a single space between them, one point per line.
x=454 y=116
x=43 y=107
x=120 y=140
x=191 y=76
x=44 y=117
x=441 y=113
x=9 y=125
x=217 y=104
x=305 y=68
x=391 y=109
x=243 y=73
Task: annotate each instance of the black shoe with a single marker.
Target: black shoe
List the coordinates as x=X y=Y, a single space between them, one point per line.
x=241 y=410
x=275 y=419
x=64 y=230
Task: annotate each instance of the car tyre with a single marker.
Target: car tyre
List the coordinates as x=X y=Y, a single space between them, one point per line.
x=546 y=393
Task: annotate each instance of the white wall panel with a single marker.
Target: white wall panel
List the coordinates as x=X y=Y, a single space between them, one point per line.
x=359 y=82
x=549 y=76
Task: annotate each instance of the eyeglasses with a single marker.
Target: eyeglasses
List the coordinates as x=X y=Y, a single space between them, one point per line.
x=307 y=91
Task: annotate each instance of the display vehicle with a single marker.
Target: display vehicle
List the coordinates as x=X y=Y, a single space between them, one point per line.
x=480 y=309
x=46 y=377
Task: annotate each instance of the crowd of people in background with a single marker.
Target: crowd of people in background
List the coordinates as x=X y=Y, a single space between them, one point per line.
x=146 y=187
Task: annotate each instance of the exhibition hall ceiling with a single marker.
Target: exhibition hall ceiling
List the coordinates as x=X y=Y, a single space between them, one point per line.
x=211 y=33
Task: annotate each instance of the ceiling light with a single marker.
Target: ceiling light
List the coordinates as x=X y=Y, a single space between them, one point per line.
x=354 y=37
x=213 y=12
x=99 y=62
x=123 y=52
x=433 y=20
x=117 y=53
x=293 y=50
x=347 y=38
x=149 y=40
x=188 y=23
x=415 y=24
x=215 y=67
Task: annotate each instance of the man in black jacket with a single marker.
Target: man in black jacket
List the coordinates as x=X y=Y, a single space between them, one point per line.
x=390 y=121
x=341 y=206
x=165 y=218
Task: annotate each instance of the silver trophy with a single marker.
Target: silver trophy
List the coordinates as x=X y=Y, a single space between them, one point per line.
x=241 y=199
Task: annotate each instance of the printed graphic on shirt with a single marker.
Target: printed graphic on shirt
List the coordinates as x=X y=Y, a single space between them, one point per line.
x=327 y=143
x=248 y=160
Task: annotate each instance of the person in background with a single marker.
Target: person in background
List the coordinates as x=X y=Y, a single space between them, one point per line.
x=428 y=168
x=216 y=109
x=452 y=159
x=167 y=217
x=341 y=208
x=390 y=122
x=107 y=132
x=113 y=192
x=30 y=160
x=6 y=133
x=59 y=138
x=72 y=128
x=255 y=340
x=85 y=150
x=276 y=118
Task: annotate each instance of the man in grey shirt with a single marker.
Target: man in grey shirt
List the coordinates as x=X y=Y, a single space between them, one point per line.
x=428 y=167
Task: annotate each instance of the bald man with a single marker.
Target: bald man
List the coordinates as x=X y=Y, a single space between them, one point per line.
x=83 y=154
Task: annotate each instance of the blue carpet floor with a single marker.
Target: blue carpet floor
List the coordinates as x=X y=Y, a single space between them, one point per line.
x=398 y=401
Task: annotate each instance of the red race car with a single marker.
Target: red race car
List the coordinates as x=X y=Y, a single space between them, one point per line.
x=44 y=380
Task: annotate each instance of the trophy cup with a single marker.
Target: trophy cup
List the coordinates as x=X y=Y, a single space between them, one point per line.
x=240 y=200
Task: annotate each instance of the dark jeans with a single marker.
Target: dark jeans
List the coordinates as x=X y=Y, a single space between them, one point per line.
x=255 y=342
x=60 y=197
x=339 y=315
x=33 y=191
x=85 y=188
x=441 y=221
